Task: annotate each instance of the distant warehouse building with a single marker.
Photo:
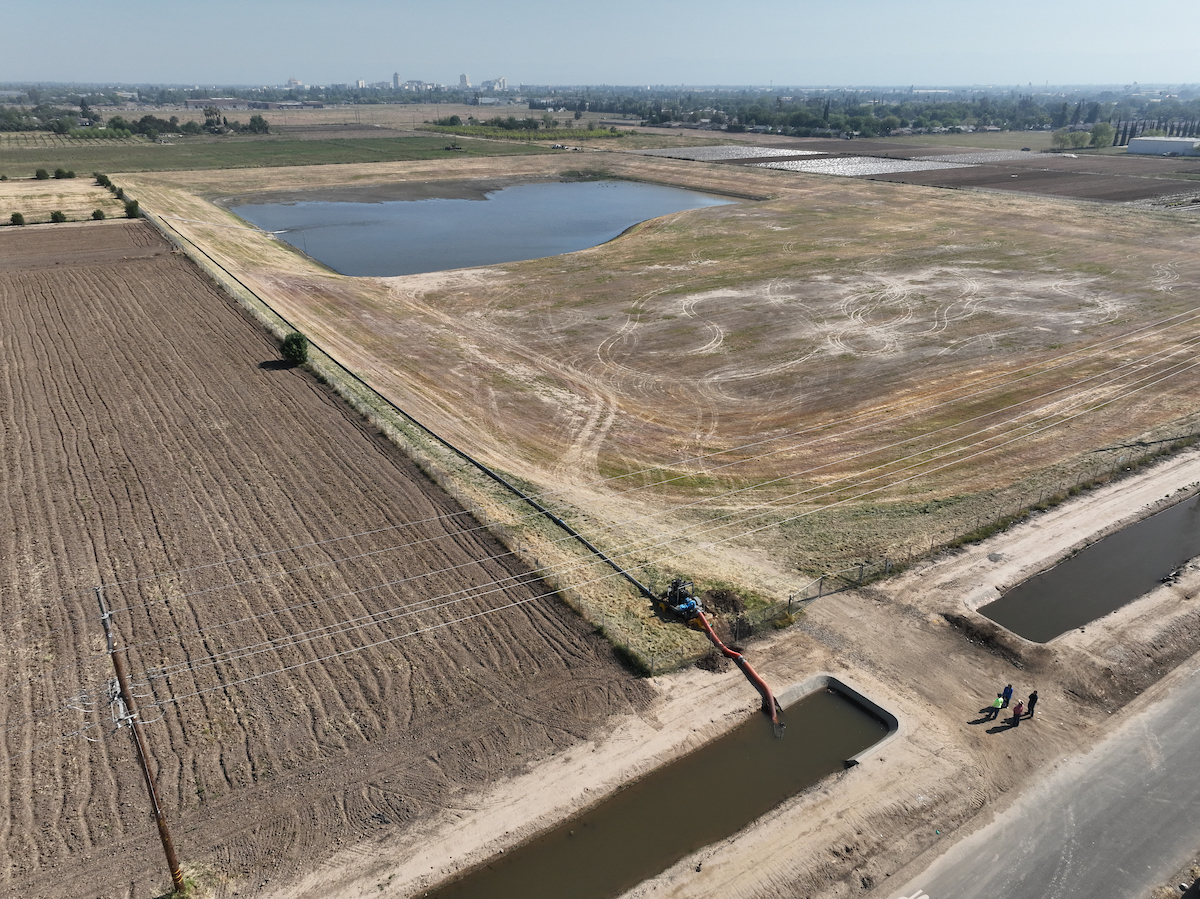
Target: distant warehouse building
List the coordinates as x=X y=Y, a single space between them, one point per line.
x=218 y=102
x=1165 y=146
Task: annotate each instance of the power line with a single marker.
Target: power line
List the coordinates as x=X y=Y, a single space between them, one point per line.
x=328 y=631
x=772 y=503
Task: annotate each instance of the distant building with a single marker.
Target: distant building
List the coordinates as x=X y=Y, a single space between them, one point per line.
x=218 y=103
x=361 y=83
x=464 y=83
x=395 y=81
x=1165 y=146
x=294 y=85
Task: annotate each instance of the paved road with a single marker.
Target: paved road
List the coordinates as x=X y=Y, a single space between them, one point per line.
x=1107 y=825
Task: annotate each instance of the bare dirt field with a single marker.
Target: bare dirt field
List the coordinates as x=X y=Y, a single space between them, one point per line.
x=152 y=443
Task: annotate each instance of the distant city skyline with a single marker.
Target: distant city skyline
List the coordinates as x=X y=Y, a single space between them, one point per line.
x=702 y=42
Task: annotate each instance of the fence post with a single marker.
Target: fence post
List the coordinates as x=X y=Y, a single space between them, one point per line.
x=860 y=573
x=820 y=586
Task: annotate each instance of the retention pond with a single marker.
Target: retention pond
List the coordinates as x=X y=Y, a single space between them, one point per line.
x=370 y=234
x=1103 y=577
x=697 y=800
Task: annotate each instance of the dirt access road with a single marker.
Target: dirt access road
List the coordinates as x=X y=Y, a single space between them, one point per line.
x=148 y=433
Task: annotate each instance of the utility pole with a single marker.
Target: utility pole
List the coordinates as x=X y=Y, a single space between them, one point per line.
x=139 y=741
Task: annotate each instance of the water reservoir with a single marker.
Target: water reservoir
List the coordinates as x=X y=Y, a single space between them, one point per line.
x=408 y=236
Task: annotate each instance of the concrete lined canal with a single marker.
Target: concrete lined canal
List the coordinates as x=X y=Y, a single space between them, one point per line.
x=693 y=802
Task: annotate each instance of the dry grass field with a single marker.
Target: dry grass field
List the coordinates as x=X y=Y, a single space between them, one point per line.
x=75 y=197
x=902 y=361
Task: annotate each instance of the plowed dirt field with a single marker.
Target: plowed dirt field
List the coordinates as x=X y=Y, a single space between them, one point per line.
x=252 y=535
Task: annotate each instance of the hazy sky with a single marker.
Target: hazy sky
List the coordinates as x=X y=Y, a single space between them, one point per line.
x=785 y=42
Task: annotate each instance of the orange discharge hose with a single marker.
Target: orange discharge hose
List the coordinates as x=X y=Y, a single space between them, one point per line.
x=770 y=705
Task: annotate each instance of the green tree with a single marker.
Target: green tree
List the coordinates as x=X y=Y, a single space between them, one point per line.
x=58 y=216
x=98 y=214
x=131 y=209
x=258 y=125
x=294 y=349
x=1103 y=134
x=60 y=173
x=42 y=175
x=17 y=219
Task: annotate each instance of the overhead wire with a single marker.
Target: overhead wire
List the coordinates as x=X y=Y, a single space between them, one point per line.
x=176 y=699
x=1074 y=357
x=769 y=502
x=385 y=616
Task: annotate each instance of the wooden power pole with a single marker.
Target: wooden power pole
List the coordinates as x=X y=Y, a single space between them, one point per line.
x=139 y=741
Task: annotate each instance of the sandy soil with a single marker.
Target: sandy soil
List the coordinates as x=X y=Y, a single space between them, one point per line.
x=303 y=689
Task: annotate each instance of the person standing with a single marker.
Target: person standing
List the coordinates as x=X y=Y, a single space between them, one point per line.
x=1018 y=711
x=1032 y=702
x=997 y=704
x=1007 y=694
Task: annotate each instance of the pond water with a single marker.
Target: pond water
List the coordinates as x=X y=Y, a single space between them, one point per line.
x=523 y=221
x=691 y=803
x=1103 y=577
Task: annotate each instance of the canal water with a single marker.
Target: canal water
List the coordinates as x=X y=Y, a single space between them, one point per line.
x=524 y=221
x=691 y=803
x=1103 y=577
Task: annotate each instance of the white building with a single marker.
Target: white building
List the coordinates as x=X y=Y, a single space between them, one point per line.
x=1165 y=146
x=464 y=82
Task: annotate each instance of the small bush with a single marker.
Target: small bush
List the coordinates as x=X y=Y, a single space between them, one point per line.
x=60 y=174
x=97 y=214
x=294 y=348
x=3 y=177
x=101 y=179
x=58 y=216
x=17 y=219
x=131 y=210
x=41 y=175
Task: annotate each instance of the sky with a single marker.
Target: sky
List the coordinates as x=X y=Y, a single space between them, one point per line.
x=625 y=42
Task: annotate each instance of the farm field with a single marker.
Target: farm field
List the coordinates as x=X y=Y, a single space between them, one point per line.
x=75 y=197
x=253 y=533
x=19 y=160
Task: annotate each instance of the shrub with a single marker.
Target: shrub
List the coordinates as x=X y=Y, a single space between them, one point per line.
x=41 y=175
x=17 y=219
x=70 y=173
x=3 y=177
x=131 y=210
x=295 y=348
x=101 y=179
x=97 y=214
x=58 y=216
x=60 y=173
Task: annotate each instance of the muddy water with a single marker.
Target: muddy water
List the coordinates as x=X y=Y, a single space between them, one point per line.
x=522 y=221
x=695 y=801
x=1102 y=578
